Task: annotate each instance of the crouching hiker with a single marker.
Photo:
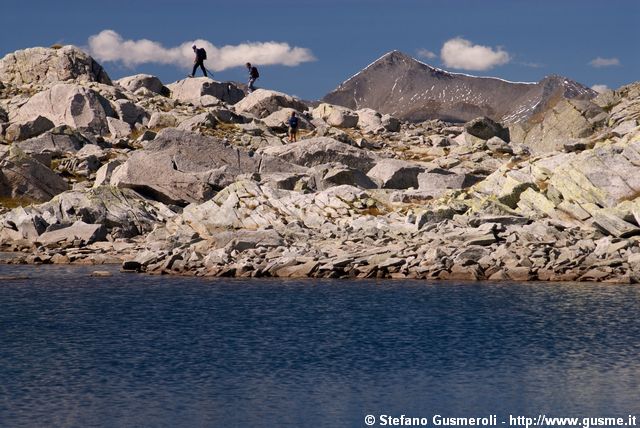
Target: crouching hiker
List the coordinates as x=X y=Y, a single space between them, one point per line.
x=293 y=127
x=253 y=76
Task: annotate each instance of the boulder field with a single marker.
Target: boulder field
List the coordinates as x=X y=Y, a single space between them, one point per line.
x=196 y=177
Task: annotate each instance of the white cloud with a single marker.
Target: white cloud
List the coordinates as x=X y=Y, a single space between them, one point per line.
x=600 y=88
x=425 y=53
x=109 y=46
x=461 y=53
x=604 y=62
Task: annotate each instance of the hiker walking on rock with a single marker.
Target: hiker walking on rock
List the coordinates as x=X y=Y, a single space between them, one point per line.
x=293 y=127
x=253 y=76
x=201 y=55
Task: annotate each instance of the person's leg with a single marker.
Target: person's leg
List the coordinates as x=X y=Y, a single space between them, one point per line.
x=193 y=72
x=251 y=88
x=204 y=70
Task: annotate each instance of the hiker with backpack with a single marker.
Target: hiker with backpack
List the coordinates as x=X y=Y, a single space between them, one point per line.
x=201 y=55
x=293 y=127
x=253 y=76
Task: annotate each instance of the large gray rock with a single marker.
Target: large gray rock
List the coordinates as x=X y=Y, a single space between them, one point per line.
x=57 y=142
x=118 y=128
x=225 y=115
x=278 y=120
x=45 y=65
x=162 y=119
x=395 y=174
x=338 y=116
x=22 y=177
x=485 y=129
x=247 y=205
x=68 y=104
x=567 y=120
x=603 y=176
x=438 y=180
x=331 y=175
x=147 y=81
x=181 y=167
x=321 y=150
x=498 y=145
x=199 y=121
x=103 y=174
x=390 y=123
x=369 y=120
x=31 y=128
x=191 y=89
x=122 y=211
x=263 y=102
x=78 y=231
x=130 y=112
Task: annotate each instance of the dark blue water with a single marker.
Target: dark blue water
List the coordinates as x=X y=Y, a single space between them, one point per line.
x=142 y=351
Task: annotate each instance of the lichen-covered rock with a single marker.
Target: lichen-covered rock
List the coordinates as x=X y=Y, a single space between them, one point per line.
x=567 y=120
x=47 y=65
x=603 y=176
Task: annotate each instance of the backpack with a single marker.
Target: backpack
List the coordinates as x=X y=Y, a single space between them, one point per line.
x=293 y=122
x=254 y=73
x=202 y=53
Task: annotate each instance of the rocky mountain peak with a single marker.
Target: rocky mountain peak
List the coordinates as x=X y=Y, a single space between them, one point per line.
x=402 y=86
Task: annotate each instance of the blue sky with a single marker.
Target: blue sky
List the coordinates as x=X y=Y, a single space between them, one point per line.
x=528 y=39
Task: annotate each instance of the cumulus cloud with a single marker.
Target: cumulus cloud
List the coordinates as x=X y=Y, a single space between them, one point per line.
x=604 y=62
x=461 y=53
x=109 y=46
x=425 y=53
x=600 y=88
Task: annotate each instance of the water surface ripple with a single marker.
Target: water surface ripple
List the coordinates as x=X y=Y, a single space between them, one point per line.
x=144 y=351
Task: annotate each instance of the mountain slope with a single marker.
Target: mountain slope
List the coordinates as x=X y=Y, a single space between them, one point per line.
x=411 y=90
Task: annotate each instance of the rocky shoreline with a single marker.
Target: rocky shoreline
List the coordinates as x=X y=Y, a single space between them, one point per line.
x=195 y=178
